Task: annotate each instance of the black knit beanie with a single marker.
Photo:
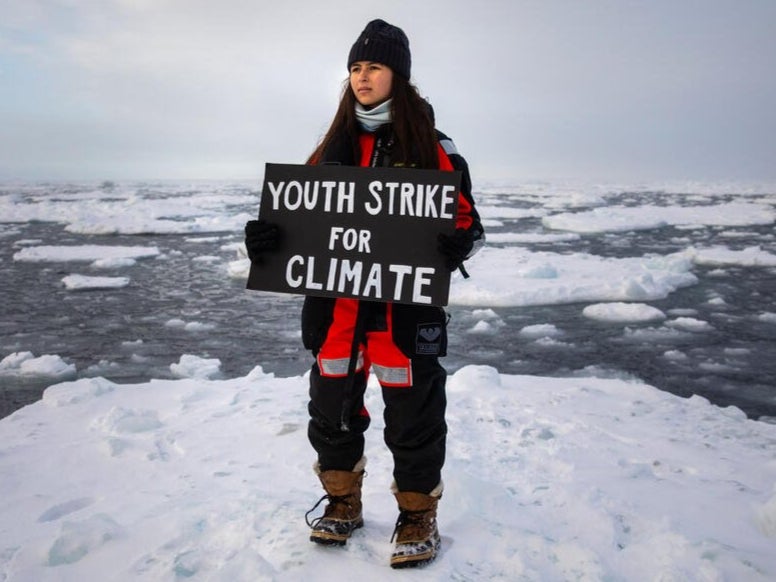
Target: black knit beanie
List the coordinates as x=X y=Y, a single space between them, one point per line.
x=383 y=43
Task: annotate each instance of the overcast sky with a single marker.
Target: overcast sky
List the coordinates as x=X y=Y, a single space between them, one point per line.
x=542 y=89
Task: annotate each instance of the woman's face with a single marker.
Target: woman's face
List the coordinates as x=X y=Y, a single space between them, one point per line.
x=371 y=82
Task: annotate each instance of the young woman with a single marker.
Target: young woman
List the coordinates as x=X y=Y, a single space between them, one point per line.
x=381 y=121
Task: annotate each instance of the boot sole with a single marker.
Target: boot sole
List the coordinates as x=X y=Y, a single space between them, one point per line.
x=326 y=538
x=411 y=562
x=415 y=560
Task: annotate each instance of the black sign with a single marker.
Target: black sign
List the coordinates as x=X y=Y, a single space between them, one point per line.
x=363 y=233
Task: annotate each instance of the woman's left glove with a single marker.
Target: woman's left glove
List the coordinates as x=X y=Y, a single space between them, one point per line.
x=455 y=247
x=260 y=236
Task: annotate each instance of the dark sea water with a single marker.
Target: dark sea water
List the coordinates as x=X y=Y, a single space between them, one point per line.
x=133 y=334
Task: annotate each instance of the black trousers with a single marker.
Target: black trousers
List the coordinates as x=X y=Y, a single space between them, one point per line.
x=415 y=428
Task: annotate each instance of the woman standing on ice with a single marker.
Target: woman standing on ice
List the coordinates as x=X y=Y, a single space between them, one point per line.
x=381 y=121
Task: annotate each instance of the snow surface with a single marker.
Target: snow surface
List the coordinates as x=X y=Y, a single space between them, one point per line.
x=546 y=479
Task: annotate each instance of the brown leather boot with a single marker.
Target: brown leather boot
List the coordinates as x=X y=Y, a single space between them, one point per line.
x=342 y=514
x=416 y=533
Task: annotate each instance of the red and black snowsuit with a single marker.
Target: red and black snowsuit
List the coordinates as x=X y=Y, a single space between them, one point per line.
x=400 y=343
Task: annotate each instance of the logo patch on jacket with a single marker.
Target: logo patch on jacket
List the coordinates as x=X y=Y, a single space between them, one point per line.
x=429 y=339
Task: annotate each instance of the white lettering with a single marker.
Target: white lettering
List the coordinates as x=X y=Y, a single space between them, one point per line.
x=346 y=197
x=292 y=281
x=374 y=189
x=406 y=199
x=332 y=274
x=293 y=205
x=374 y=282
x=350 y=272
x=351 y=239
x=401 y=271
x=422 y=279
x=334 y=235
x=391 y=192
x=430 y=206
x=310 y=282
x=328 y=186
x=275 y=193
x=448 y=200
x=310 y=198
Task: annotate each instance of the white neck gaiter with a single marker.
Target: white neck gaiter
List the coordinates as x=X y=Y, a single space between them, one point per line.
x=371 y=119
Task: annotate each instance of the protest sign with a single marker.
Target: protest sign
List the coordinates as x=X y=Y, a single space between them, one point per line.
x=363 y=233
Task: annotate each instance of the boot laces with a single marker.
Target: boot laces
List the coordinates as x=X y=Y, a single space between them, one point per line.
x=333 y=500
x=408 y=518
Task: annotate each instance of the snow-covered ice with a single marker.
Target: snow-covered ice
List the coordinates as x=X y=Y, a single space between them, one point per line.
x=26 y=364
x=546 y=479
x=614 y=219
x=516 y=276
x=623 y=312
x=81 y=282
x=65 y=253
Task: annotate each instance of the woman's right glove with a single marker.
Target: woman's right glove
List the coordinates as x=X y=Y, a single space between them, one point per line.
x=260 y=236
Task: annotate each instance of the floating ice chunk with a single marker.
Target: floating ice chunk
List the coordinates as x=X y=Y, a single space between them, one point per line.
x=510 y=212
x=207 y=259
x=473 y=377
x=188 y=326
x=83 y=282
x=748 y=257
x=483 y=327
x=768 y=317
x=26 y=364
x=716 y=301
x=608 y=219
x=202 y=239
x=551 y=342
x=82 y=253
x=114 y=263
x=198 y=326
x=551 y=278
x=622 y=219
x=486 y=314
x=654 y=335
x=690 y=324
x=239 y=269
x=190 y=366
x=541 y=330
x=621 y=312
x=527 y=238
x=102 y=367
x=675 y=356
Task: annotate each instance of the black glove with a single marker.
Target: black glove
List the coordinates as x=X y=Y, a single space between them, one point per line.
x=455 y=247
x=260 y=236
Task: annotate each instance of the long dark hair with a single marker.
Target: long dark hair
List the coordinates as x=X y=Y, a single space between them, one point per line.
x=413 y=126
